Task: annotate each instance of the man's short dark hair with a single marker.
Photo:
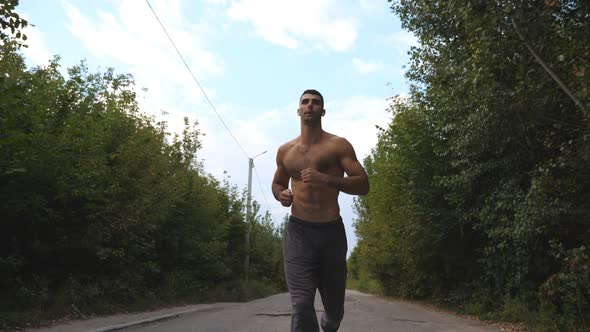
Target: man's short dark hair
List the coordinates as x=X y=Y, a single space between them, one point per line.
x=313 y=92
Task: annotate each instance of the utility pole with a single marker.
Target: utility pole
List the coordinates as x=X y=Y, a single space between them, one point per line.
x=248 y=216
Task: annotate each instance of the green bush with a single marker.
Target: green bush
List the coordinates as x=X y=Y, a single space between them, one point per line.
x=102 y=208
x=480 y=190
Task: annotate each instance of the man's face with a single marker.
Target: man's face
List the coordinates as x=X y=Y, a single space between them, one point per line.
x=310 y=107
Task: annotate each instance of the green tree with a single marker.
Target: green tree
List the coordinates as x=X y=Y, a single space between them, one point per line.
x=102 y=208
x=11 y=23
x=266 y=263
x=101 y=205
x=480 y=187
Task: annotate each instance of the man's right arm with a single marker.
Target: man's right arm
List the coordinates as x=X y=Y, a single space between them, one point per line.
x=281 y=179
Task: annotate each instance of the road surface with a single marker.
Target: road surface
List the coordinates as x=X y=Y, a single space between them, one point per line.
x=363 y=312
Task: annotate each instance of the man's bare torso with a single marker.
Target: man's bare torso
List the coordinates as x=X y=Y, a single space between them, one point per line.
x=313 y=202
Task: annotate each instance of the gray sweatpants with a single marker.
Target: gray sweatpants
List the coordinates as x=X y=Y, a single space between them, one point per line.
x=315 y=258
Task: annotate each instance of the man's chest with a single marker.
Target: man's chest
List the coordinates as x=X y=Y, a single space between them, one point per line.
x=319 y=158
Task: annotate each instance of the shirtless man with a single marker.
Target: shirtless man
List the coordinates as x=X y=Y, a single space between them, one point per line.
x=315 y=244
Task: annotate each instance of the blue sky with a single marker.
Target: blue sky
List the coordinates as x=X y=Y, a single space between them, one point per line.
x=253 y=58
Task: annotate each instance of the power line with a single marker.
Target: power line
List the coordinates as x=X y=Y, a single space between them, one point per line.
x=195 y=78
x=546 y=67
x=207 y=98
x=261 y=189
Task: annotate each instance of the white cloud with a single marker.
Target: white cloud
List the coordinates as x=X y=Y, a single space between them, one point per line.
x=403 y=39
x=134 y=37
x=354 y=118
x=217 y=2
x=367 y=67
x=297 y=24
x=36 y=51
x=371 y=5
x=131 y=36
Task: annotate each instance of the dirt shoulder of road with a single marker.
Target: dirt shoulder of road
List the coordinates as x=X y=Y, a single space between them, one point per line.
x=103 y=322
x=503 y=326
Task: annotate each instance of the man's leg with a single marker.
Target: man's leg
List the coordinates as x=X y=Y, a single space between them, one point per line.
x=333 y=275
x=302 y=271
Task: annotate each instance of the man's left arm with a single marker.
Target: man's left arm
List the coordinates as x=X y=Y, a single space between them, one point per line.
x=355 y=183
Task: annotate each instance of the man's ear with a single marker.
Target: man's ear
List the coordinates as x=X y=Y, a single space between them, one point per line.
x=323 y=112
x=298 y=111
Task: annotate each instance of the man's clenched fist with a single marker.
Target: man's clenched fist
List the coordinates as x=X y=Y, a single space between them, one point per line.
x=310 y=175
x=286 y=197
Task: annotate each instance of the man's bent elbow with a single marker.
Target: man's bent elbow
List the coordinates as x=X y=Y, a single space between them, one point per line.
x=276 y=189
x=366 y=187
x=365 y=190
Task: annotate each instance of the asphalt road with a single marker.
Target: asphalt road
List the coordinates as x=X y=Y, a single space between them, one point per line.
x=363 y=313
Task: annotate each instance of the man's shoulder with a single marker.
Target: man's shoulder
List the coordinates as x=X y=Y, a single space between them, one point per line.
x=335 y=139
x=286 y=146
x=339 y=145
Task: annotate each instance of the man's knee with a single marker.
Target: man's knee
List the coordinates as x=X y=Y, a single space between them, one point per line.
x=332 y=323
x=304 y=317
x=304 y=309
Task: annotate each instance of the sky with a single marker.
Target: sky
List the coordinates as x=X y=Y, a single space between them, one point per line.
x=253 y=59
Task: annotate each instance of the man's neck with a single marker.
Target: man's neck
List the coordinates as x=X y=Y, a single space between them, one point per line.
x=311 y=133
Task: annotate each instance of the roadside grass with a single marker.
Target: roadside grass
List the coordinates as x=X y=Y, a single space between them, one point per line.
x=513 y=314
x=364 y=285
x=58 y=307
